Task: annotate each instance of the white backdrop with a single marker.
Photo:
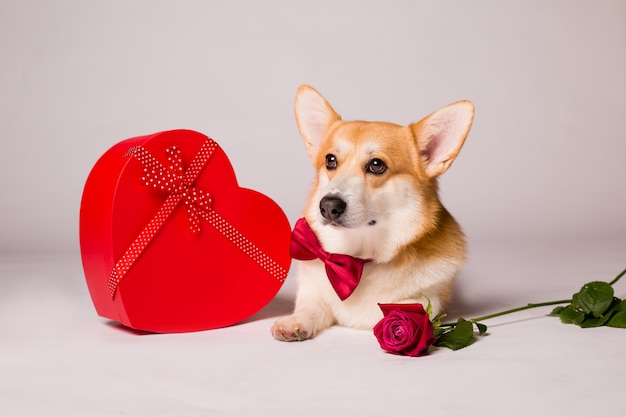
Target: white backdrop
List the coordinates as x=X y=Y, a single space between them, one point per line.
x=546 y=155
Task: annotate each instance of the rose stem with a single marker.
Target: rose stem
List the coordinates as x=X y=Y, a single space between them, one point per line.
x=514 y=310
x=618 y=277
x=526 y=307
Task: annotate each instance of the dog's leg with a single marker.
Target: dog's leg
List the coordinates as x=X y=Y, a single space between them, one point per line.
x=304 y=323
x=311 y=315
x=309 y=319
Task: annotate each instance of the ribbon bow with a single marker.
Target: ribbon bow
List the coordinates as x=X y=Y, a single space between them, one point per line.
x=174 y=181
x=343 y=271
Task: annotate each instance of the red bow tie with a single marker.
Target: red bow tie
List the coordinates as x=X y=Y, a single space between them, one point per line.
x=343 y=271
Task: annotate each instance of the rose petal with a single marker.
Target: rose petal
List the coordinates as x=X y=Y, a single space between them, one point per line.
x=415 y=308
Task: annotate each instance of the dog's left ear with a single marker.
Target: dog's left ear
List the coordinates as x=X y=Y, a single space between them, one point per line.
x=441 y=135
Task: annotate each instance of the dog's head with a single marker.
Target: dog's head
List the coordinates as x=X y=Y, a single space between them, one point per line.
x=376 y=187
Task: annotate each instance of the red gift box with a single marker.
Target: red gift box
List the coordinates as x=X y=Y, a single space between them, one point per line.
x=171 y=243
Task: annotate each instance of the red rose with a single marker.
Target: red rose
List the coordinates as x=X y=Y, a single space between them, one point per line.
x=405 y=330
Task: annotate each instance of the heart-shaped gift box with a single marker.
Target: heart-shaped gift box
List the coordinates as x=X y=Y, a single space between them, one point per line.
x=171 y=243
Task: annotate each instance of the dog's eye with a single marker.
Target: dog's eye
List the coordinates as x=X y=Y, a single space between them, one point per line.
x=331 y=161
x=376 y=166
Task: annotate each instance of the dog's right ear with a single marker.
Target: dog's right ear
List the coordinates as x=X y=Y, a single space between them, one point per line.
x=441 y=135
x=313 y=116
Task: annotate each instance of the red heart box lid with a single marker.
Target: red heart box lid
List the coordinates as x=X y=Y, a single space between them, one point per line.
x=171 y=243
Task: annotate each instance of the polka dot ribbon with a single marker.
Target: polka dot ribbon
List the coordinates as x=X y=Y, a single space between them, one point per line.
x=178 y=184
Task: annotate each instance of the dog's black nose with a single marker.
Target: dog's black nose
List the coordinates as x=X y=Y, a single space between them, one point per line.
x=332 y=207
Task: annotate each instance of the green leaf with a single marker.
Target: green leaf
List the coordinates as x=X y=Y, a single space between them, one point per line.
x=615 y=307
x=618 y=320
x=557 y=311
x=482 y=329
x=438 y=317
x=594 y=298
x=429 y=308
x=437 y=332
x=462 y=335
x=595 y=322
x=569 y=315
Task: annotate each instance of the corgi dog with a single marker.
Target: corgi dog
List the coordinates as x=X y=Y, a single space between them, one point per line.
x=375 y=197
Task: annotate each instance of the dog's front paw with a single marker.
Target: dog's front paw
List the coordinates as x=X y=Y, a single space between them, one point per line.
x=290 y=329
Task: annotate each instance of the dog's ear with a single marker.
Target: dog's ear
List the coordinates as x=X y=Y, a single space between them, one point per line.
x=441 y=135
x=313 y=116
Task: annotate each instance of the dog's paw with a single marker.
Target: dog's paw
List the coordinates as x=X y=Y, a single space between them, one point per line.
x=290 y=329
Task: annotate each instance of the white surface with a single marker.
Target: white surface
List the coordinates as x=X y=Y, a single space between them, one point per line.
x=57 y=358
